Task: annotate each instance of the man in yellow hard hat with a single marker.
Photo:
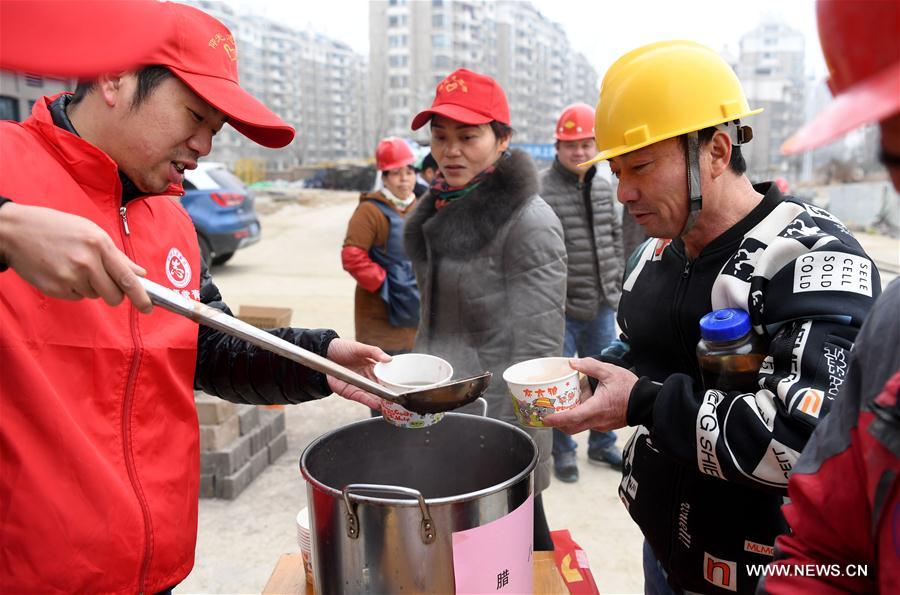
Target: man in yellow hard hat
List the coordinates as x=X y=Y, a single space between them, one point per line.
x=706 y=470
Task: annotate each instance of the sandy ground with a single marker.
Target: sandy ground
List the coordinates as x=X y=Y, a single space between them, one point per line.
x=297 y=265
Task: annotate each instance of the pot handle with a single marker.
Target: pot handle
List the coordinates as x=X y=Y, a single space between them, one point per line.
x=483 y=402
x=427 y=528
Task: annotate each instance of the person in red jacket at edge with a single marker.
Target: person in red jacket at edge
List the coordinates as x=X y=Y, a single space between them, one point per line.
x=99 y=438
x=844 y=509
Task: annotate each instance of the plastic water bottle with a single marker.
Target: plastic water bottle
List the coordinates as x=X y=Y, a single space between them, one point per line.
x=729 y=352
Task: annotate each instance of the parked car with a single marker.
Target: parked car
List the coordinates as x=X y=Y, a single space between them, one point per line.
x=222 y=210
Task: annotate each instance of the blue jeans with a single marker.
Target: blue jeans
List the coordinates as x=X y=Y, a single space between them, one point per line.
x=654 y=576
x=587 y=338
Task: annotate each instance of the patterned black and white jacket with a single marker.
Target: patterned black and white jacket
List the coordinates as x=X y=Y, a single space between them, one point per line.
x=706 y=471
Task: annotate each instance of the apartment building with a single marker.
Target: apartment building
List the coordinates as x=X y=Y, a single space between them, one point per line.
x=18 y=92
x=413 y=45
x=771 y=69
x=315 y=83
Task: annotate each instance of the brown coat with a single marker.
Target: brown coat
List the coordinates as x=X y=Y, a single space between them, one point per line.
x=369 y=227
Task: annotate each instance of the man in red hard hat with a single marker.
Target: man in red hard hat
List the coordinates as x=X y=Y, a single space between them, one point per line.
x=99 y=440
x=845 y=488
x=584 y=204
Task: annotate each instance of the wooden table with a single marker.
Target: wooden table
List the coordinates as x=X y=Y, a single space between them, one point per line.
x=290 y=578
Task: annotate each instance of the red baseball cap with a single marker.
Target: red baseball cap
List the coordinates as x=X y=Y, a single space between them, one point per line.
x=80 y=38
x=467 y=97
x=201 y=51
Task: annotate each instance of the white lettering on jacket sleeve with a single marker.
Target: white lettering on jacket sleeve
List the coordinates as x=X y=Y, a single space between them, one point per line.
x=787 y=383
x=776 y=465
x=708 y=434
x=833 y=271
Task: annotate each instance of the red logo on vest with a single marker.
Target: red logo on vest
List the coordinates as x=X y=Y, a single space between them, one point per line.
x=178 y=269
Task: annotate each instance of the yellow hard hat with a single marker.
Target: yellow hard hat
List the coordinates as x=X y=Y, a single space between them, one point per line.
x=661 y=91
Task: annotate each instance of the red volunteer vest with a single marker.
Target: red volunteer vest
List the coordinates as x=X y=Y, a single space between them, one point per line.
x=98 y=431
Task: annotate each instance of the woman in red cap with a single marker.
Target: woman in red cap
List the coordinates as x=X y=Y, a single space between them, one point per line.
x=386 y=305
x=488 y=252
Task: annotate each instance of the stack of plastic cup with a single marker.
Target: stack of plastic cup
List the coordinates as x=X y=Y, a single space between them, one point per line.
x=303 y=540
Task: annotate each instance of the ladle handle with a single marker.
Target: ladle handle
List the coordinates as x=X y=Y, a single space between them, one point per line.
x=203 y=314
x=426 y=529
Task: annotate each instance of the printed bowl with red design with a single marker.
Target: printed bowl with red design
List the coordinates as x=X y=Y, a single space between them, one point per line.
x=408 y=372
x=542 y=386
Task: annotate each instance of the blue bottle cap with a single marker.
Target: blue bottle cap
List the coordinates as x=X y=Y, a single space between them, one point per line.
x=726 y=324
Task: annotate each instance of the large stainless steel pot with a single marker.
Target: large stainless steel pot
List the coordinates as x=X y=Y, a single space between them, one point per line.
x=384 y=501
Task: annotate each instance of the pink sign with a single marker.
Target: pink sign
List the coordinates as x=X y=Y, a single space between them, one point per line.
x=496 y=557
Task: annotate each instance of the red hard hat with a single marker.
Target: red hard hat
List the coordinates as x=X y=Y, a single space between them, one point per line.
x=392 y=153
x=861 y=43
x=576 y=122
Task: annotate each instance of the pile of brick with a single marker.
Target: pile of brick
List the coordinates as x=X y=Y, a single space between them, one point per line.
x=237 y=443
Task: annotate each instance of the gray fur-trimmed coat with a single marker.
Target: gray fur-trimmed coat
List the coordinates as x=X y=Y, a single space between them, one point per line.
x=491 y=269
x=593 y=239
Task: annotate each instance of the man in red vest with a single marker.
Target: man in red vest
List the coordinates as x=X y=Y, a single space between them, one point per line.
x=99 y=439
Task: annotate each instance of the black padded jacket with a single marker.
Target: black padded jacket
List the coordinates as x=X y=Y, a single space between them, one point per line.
x=706 y=471
x=237 y=371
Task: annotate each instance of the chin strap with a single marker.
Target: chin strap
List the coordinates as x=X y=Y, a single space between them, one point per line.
x=695 y=196
x=738 y=134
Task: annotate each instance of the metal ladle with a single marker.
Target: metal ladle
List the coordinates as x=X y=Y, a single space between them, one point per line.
x=429 y=400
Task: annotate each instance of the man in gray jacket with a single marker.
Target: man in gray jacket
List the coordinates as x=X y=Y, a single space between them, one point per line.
x=593 y=236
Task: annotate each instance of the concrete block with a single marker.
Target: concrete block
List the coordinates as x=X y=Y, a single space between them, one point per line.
x=212 y=410
x=277 y=447
x=256 y=440
x=217 y=436
x=207 y=485
x=265 y=434
x=259 y=462
x=227 y=460
x=231 y=486
x=249 y=418
x=279 y=424
x=275 y=418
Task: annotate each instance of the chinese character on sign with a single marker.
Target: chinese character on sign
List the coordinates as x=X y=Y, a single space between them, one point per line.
x=502 y=579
